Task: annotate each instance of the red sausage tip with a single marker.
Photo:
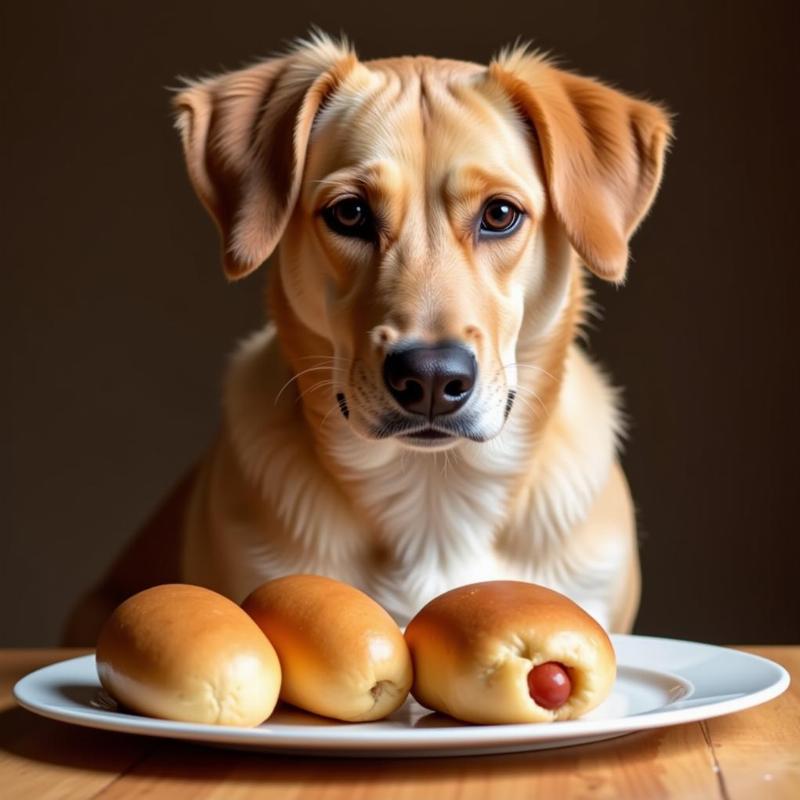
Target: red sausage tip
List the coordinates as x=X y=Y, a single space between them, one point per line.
x=549 y=685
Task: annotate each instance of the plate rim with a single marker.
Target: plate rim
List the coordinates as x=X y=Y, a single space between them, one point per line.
x=473 y=737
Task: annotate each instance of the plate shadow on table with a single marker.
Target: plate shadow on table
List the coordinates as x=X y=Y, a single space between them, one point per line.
x=36 y=739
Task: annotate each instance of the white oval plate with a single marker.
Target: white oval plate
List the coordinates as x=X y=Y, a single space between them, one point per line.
x=660 y=682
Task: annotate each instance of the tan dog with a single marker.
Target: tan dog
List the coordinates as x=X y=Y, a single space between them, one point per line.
x=417 y=415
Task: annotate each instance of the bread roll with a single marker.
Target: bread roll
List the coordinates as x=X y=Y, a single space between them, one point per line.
x=185 y=653
x=482 y=653
x=341 y=654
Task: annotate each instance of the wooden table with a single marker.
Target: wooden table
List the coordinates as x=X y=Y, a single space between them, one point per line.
x=753 y=754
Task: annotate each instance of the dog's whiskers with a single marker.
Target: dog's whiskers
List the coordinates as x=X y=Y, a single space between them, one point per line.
x=299 y=374
x=524 y=391
x=335 y=407
x=520 y=364
x=532 y=409
x=317 y=385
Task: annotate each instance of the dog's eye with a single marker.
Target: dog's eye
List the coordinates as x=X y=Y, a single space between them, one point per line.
x=350 y=217
x=499 y=217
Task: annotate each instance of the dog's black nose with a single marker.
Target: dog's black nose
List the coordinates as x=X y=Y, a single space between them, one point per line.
x=430 y=380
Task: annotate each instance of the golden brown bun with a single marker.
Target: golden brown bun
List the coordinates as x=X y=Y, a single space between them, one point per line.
x=185 y=653
x=341 y=654
x=474 y=646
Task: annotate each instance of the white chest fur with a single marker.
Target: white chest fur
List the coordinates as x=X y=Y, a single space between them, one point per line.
x=405 y=526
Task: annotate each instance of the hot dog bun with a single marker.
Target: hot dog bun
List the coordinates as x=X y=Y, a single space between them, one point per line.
x=341 y=654
x=185 y=653
x=474 y=648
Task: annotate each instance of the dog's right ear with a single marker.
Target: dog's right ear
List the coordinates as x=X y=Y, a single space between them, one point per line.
x=245 y=135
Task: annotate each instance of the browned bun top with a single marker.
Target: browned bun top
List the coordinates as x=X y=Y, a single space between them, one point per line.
x=481 y=610
x=203 y=622
x=336 y=610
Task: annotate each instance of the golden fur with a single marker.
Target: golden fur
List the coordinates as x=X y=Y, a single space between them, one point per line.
x=291 y=485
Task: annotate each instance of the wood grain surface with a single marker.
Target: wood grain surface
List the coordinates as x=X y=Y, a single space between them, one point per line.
x=753 y=754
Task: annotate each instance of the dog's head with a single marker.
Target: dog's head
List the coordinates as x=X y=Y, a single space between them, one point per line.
x=426 y=211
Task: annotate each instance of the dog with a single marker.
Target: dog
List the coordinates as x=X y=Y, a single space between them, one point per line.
x=417 y=414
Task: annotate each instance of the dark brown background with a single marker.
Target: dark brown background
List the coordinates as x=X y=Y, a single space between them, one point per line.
x=119 y=318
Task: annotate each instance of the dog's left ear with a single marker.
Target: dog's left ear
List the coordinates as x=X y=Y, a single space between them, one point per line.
x=245 y=135
x=603 y=154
